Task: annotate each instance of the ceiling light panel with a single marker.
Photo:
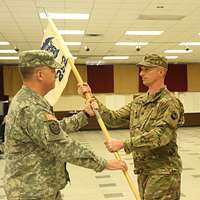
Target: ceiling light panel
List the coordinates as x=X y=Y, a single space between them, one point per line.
x=72 y=43
x=178 y=51
x=144 y=32
x=65 y=16
x=71 y=32
x=131 y=43
x=115 y=57
x=171 y=57
x=4 y=43
x=189 y=44
x=9 y=58
x=8 y=51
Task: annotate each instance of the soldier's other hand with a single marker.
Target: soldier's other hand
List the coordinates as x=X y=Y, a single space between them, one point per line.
x=114 y=145
x=116 y=165
x=93 y=103
x=90 y=106
x=83 y=88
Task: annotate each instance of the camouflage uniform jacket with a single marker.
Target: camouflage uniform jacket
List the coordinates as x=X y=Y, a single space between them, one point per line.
x=153 y=120
x=38 y=147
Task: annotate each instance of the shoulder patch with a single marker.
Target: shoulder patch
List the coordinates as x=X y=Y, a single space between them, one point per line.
x=174 y=115
x=54 y=127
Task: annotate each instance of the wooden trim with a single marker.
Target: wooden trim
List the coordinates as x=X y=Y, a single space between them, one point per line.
x=100 y=78
x=192 y=119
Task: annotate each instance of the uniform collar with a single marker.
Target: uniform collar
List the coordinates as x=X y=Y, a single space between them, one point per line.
x=157 y=95
x=39 y=99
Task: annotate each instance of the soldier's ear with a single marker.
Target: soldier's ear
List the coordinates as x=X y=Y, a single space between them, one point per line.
x=39 y=75
x=161 y=71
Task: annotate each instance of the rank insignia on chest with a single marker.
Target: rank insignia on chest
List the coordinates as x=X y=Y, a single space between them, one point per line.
x=54 y=127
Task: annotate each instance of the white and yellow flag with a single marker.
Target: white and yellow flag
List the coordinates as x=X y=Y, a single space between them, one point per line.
x=54 y=43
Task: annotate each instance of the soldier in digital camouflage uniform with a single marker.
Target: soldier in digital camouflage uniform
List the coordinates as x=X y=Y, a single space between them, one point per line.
x=2 y=136
x=153 y=119
x=37 y=144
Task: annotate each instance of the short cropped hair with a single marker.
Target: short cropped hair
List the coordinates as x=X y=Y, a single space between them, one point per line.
x=26 y=72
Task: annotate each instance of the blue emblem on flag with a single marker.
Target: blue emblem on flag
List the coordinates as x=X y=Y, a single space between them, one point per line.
x=48 y=46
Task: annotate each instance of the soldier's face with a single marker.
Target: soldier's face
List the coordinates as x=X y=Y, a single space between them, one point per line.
x=150 y=75
x=50 y=78
x=47 y=77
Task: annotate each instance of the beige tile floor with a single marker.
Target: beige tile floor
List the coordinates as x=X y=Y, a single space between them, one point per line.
x=109 y=185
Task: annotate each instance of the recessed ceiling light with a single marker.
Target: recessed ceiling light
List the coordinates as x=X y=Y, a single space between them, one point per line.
x=72 y=43
x=131 y=43
x=189 y=44
x=115 y=57
x=93 y=34
x=94 y=62
x=64 y=16
x=4 y=43
x=9 y=57
x=71 y=32
x=159 y=6
x=144 y=32
x=178 y=51
x=171 y=57
x=8 y=51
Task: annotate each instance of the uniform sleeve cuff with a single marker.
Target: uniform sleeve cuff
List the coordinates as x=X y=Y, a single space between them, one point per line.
x=84 y=118
x=101 y=165
x=127 y=146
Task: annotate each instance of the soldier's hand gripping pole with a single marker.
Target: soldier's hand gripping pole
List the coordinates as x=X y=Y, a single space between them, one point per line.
x=105 y=132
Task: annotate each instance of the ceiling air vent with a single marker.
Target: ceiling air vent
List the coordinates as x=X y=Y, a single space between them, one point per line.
x=160 y=17
x=93 y=34
x=83 y=56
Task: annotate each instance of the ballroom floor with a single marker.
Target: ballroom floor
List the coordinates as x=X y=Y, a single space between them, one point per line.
x=109 y=185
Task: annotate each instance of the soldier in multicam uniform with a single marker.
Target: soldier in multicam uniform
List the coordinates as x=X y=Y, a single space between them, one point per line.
x=37 y=144
x=153 y=119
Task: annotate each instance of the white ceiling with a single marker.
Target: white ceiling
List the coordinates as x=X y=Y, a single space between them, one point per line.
x=21 y=25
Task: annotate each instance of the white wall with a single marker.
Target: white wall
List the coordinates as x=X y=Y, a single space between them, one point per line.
x=190 y=100
x=76 y=102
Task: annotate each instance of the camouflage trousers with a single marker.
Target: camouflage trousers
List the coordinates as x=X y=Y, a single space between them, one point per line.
x=159 y=187
x=1 y=148
x=57 y=196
